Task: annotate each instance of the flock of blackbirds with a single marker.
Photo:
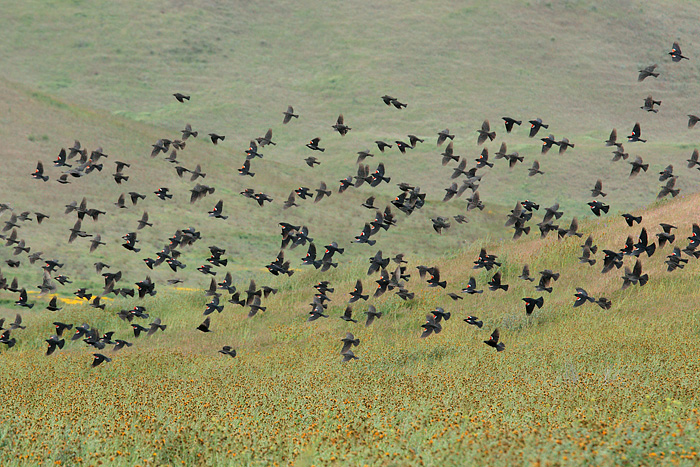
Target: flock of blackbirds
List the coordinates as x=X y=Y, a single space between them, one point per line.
x=76 y=162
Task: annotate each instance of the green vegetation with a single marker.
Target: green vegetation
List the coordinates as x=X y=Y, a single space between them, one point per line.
x=574 y=386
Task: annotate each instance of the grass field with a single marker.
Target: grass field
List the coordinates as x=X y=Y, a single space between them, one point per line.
x=574 y=387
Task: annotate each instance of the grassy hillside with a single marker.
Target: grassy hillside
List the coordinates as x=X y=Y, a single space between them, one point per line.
x=574 y=385
x=104 y=73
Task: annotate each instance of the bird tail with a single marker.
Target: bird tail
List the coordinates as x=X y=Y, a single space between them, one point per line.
x=643 y=279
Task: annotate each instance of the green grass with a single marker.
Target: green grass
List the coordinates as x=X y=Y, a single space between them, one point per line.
x=575 y=386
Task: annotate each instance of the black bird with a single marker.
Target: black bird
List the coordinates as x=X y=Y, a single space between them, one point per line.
x=187 y=132
x=120 y=344
x=669 y=189
x=382 y=145
x=204 y=327
x=635 y=276
x=356 y=294
x=495 y=283
x=388 y=100
x=485 y=261
x=649 y=104
x=267 y=139
x=611 y=259
x=530 y=206
x=586 y=256
x=692 y=120
x=310 y=258
x=345 y=184
x=440 y=314
x=155 y=325
x=509 y=122
x=135 y=197
x=676 y=54
x=552 y=212
x=619 y=153
x=572 y=230
x=340 y=126
x=485 y=133
x=535 y=169
x=322 y=191
x=216 y=138
x=526 y=274
x=474 y=321
x=22 y=301
x=674 y=260
x=612 y=140
x=647 y=71
x=377 y=262
x=636 y=134
x=431 y=326
x=443 y=135
x=547 y=143
x=162 y=193
x=643 y=245
x=99 y=358
x=143 y=222
x=364 y=236
x=61 y=159
x=440 y=223
x=180 y=98
x=252 y=151
x=598 y=206
x=347 y=315
x=53 y=304
x=483 y=159
x=362 y=155
x=582 y=297
x=413 y=139
x=535 y=126
x=54 y=342
x=96 y=242
x=434 y=280
x=693 y=161
x=217 y=212
x=227 y=349
x=598 y=189
x=289 y=114
x=60 y=327
x=695 y=237
x=493 y=341
x=543 y=284
x=531 y=303
x=255 y=306
x=290 y=201
x=630 y=219
x=313 y=144
x=448 y=155
x=402 y=146
x=39 y=172
x=475 y=202
x=348 y=341
x=372 y=314
x=245 y=169
x=563 y=144
x=666 y=235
